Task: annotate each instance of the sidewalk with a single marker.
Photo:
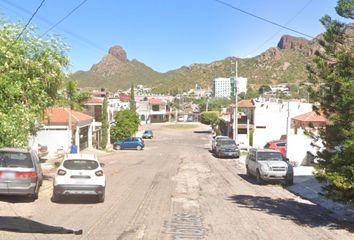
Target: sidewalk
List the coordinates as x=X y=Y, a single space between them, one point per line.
x=307 y=187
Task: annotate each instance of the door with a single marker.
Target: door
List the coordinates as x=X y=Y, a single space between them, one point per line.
x=252 y=163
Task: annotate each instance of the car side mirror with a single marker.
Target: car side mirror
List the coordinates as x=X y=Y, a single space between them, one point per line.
x=286 y=159
x=102 y=165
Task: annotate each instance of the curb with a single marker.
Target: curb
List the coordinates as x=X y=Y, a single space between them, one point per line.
x=339 y=211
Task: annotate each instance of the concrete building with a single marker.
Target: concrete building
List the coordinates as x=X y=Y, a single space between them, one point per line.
x=225 y=87
x=272 y=119
x=222 y=87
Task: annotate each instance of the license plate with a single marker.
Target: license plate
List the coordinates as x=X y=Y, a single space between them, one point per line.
x=79 y=181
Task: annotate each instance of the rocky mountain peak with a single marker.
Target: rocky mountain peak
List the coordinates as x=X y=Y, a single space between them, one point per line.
x=291 y=42
x=119 y=53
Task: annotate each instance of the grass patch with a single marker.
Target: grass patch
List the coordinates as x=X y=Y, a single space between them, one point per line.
x=181 y=126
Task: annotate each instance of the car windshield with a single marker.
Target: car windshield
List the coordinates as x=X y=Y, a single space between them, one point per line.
x=269 y=156
x=15 y=160
x=227 y=142
x=147 y=132
x=79 y=164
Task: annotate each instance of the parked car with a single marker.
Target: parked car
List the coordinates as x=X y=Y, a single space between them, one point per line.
x=130 y=143
x=190 y=119
x=214 y=141
x=226 y=148
x=277 y=145
x=20 y=172
x=180 y=119
x=267 y=164
x=79 y=174
x=148 y=134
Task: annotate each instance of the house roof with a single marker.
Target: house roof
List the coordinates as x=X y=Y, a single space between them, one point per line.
x=156 y=101
x=311 y=117
x=245 y=103
x=124 y=98
x=94 y=100
x=60 y=115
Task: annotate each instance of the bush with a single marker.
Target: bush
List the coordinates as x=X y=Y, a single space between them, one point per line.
x=126 y=125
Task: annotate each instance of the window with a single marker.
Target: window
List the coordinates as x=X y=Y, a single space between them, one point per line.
x=80 y=164
x=15 y=159
x=156 y=108
x=281 y=145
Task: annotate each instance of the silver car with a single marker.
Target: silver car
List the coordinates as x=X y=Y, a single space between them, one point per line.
x=20 y=172
x=266 y=165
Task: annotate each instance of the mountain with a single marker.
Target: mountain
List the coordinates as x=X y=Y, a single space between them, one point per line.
x=285 y=63
x=116 y=71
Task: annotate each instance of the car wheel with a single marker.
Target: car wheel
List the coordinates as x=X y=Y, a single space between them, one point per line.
x=258 y=178
x=248 y=172
x=289 y=181
x=55 y=197
x=101 y=198
x=34 y=196
x=117 y=147
x=138 y=148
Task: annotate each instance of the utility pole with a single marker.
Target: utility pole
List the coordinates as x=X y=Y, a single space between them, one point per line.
x=236 y=104
x=207 y=103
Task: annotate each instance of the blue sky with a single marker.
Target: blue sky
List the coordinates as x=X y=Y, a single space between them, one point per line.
x=167 y=34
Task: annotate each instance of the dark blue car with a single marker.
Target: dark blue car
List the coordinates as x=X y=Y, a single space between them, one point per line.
x=129 y=143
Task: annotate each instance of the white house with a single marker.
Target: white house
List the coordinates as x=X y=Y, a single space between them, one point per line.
x=62 y=128
x=300 y=144
x=271 y=119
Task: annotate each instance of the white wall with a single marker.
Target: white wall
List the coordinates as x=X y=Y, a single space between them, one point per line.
x=297 y=146
x=53 y=139
x=270 y=119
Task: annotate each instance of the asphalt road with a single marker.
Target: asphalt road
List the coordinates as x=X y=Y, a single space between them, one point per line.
x=174 y=189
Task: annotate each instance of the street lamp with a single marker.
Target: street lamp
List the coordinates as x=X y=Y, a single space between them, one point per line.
x=235 y=122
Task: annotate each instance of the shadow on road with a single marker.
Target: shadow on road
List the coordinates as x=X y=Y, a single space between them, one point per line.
x=204 y=131
x=24 y=225
x=77 y=200
x=307 y=214
x=16 y=199
x=253 y=180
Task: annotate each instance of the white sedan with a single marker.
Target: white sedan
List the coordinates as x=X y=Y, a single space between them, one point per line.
x=79 y=174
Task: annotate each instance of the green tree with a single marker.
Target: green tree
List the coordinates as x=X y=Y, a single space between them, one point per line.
x=332 y=87
x=31 y=72
x=264 y=88
x=105 y=126
x=73 y=97
x=126 y=125
x=210 y=118
x=132 y=99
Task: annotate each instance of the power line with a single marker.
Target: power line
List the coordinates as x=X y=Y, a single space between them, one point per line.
x=287 y=23
x=50 y=23
x=65 y=17
x=25 y=27
x=261 y=18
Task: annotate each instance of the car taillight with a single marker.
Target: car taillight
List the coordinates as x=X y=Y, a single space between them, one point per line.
x=61 y=172
x=26 y=174
x=0 y=173
x=99 y=173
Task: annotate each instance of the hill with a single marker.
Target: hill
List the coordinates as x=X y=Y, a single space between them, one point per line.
x=285 y=63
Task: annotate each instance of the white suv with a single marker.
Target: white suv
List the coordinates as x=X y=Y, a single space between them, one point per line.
x=79 y=174
x=266 y=165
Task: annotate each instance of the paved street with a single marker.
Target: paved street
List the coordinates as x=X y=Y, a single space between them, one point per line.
x=174 y=189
